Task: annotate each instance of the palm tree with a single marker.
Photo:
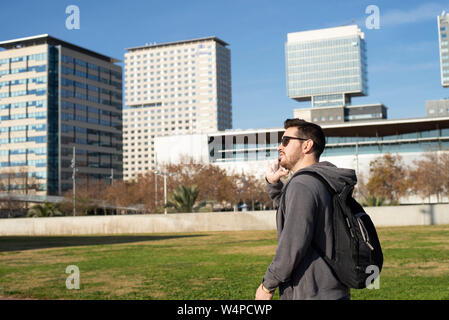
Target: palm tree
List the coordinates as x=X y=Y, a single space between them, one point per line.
x=44 y=210
x=183 y=199
x=373 y=201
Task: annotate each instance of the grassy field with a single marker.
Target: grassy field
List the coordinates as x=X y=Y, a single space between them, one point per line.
x=212 y=265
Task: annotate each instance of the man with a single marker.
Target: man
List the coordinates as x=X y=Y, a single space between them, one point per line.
x=304 y=217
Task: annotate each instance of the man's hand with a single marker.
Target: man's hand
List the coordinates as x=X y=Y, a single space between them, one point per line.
x=262 y=295
x=275 y=172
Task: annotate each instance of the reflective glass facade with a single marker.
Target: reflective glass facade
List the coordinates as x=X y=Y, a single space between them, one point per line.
x=420 y=141
x=443 y=32
x=263 y=145
x=23 y=120
x=91 y=119
x=54 y=96
x=328 y=69
x=244 y=147
x=53 y=121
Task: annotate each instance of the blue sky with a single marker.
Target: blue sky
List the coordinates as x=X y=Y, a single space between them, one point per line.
x=403 y=58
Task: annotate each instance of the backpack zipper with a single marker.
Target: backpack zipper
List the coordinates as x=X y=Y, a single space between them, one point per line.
x=350 y=228
x=362 y=231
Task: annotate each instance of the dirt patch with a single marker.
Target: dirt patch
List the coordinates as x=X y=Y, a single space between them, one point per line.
x=429 y=269
x=268 y=250
x=16 y=298
x=421 y=269
x=38 y=257
x=196 y=282
x=118 y=285
x=252 y=235
x=29 y=282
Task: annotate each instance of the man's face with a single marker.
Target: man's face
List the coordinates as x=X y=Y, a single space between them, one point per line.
x=292 y=153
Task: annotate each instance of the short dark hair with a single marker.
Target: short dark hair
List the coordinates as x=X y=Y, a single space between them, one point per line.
x=309 y=130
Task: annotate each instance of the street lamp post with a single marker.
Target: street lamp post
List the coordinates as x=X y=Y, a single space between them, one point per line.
x=155 y=189
x=165 y=174
x=244 y=180
x=165 y=193
x=73 y=165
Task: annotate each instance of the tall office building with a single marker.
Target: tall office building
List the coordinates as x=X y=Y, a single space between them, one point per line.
x=54 y=96
x=328 y=67
x=443 y=29
x=181 y=87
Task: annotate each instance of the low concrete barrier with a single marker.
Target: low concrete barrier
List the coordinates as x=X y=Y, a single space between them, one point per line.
x=409 y=215
x=134 y=224
x=197 y=222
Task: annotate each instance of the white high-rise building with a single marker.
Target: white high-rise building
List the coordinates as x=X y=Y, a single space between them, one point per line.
x=181 y=87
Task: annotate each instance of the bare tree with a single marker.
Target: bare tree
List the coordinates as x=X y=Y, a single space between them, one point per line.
x=214 y=184
x=444 y=172
x=426 y=178
x=387 y=178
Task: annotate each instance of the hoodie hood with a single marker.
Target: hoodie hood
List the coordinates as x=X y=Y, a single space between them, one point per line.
x=338 y=178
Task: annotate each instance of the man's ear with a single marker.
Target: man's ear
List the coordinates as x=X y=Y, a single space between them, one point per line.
x=309 y=146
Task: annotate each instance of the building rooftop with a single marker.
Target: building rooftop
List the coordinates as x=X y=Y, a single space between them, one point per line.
x=327 y=33
x=351 y=106
x=384 y=127
x=45 y=38
x=381 y=127
x=155 y=45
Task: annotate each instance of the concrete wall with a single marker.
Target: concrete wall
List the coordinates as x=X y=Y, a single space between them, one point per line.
x=197 y=222
x=133 y=224
x=409 y=215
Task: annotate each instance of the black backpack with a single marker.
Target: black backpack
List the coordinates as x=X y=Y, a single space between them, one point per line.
x=357 y=253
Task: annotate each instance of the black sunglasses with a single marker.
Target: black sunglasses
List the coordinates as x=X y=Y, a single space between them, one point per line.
x=286 y=139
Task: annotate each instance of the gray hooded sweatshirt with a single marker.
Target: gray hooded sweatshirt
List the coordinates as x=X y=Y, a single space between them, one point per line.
x=305 y=216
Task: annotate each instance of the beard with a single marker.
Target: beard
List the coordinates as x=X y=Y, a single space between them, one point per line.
x=288 y=163
x=283 y=162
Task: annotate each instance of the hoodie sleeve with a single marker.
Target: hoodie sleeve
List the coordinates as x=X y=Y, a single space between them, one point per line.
x=296 y=236
x=274 y=191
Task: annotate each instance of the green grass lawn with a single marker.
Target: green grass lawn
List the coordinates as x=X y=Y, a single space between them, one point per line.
x=210 y=265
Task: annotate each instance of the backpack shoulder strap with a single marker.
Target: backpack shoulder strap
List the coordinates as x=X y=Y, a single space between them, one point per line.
x=320 y=177
x=313 y=174
x=331 y=192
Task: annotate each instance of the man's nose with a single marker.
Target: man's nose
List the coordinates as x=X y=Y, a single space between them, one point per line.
x=280 y=146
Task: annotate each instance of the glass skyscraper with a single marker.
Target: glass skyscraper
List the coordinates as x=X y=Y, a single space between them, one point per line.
x=55 y=96
x=443 y=28
x=326 y=66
